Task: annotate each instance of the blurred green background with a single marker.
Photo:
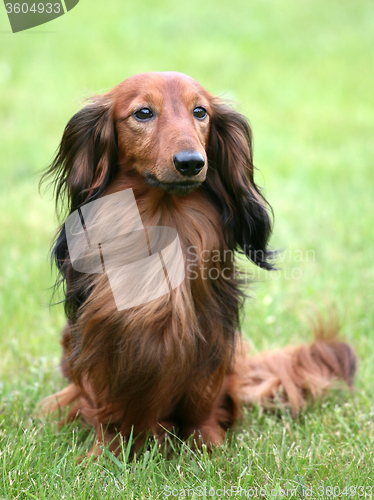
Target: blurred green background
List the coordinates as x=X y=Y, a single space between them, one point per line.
x=302 y=72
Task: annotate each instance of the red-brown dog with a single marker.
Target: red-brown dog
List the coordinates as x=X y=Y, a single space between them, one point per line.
x=173 y=362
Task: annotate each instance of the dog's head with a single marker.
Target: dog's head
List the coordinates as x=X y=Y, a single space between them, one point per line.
x=162 y=122
x=166 y=130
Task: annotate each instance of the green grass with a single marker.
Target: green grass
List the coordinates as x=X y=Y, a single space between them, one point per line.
x=302 y=73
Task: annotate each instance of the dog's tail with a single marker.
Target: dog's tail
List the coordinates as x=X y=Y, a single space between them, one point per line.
x=287 y=377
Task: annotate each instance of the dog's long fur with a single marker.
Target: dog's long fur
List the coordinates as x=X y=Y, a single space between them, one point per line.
x=175 y=362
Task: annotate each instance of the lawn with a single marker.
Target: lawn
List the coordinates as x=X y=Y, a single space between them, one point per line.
x=303 y=74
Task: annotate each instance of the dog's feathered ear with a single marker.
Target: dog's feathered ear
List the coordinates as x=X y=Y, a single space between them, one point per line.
x=245 y=212
x=86 y=160
x=83 y=167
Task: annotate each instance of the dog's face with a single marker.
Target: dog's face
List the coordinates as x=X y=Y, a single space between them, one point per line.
x=162 y=123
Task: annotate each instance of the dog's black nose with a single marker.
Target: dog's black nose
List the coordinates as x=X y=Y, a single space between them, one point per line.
x=189 y=163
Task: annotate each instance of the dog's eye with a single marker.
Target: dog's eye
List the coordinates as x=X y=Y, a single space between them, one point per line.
x=143 y=114
x=200 y=112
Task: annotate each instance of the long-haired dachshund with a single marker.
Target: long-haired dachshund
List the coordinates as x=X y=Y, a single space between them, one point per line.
x=174 y=362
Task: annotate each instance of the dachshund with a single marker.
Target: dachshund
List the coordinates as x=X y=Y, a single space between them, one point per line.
x=175 y=363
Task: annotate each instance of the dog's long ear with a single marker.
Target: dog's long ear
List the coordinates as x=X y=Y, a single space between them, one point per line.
x=83 y=167
x=86 y=160
x=245 y=212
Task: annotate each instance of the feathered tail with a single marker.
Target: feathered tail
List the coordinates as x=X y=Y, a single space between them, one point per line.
x=288 y=376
